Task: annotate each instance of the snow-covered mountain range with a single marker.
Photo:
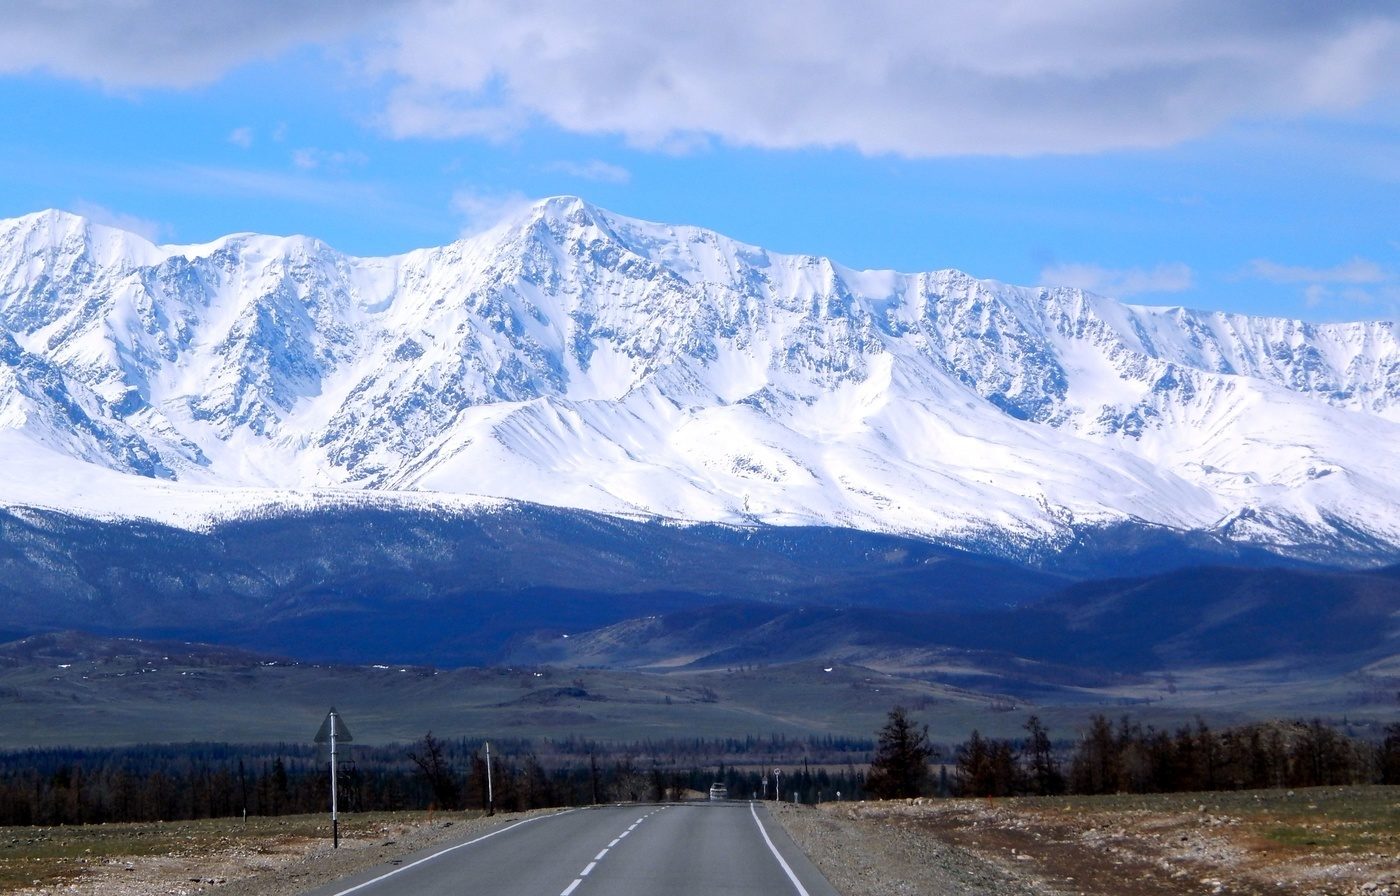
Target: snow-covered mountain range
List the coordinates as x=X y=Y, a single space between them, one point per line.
x=577 y=358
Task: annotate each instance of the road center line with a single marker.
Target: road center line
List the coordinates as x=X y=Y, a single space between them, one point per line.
x=781 y=861
x=444 y=852
x=596 y=859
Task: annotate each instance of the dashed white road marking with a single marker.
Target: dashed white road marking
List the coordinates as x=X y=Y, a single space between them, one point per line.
x=599 y=857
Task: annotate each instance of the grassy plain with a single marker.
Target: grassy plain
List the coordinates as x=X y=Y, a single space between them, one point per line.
x=123 y=692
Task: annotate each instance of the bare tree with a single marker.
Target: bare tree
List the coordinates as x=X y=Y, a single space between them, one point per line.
x=431 y=759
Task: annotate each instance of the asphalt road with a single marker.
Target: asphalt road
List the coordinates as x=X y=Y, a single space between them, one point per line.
x=678 y=849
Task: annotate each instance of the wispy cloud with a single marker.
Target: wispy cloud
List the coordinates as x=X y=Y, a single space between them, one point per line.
x=481 y=210
x=243 y=182
x=1357 y=286
x=1355 y=271
x=594 y=170
x=310 y=158
x=241 y=137
x=153 y=231
x=1120 y=282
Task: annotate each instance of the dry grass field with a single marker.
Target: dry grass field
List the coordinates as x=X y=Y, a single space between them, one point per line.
x=264 y=856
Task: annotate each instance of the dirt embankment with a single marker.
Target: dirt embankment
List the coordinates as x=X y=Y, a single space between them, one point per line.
x=1317 y=842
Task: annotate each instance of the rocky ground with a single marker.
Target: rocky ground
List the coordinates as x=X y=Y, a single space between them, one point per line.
x=1317 y=842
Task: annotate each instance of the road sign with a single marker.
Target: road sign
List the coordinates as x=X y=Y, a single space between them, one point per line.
x=342 y=732
x=333 y=730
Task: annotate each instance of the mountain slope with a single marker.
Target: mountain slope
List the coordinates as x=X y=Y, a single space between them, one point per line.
x=581 y=359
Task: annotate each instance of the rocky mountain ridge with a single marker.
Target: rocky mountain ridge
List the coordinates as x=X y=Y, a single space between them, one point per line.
x=578 y=358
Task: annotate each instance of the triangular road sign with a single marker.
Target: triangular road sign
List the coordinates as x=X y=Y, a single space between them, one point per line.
x=342 y=731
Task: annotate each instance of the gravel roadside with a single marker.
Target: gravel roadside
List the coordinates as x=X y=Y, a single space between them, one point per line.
x=875 y=850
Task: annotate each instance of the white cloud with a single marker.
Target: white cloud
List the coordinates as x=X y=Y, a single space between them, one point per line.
x=594 y=170
x=883 y=76
x=886 y=76
x=171 y=43
x=481 y=210
x=152 y=231
x=1120 y=282
x=241 y=137
x=1357 y=270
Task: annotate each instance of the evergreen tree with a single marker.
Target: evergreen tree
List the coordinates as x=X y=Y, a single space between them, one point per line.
x=1044 y=772
x=900 y=766
x=1390 y=755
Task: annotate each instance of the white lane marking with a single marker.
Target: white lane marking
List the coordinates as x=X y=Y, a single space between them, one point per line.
x=444 y=852
x=781 y=861
x=598 y=858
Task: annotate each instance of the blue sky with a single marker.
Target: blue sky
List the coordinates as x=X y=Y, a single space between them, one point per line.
x=1242 y=156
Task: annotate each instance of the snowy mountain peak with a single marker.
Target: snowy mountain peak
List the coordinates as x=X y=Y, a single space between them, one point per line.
x=580 y=358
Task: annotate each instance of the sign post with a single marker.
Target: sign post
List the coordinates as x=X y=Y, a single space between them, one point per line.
x=334 y=729
x=777 y=791
x=490 y=794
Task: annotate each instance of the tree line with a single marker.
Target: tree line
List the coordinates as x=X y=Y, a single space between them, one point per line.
x=191 y=781
x=1129 y=757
